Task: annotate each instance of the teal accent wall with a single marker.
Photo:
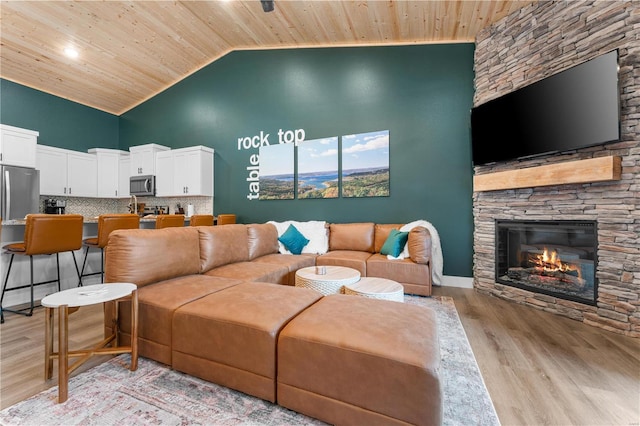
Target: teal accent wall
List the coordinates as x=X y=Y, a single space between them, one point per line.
x=421 y=94
x=61 y=123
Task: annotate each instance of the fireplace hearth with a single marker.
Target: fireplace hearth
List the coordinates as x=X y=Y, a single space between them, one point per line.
x=557 y=258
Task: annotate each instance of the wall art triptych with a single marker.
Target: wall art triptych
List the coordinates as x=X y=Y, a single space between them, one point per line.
x=364 y=171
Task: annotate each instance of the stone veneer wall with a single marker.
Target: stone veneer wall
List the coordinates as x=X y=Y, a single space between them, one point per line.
x=522 y=48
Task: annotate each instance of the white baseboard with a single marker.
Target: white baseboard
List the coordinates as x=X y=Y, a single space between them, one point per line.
x=452 y=281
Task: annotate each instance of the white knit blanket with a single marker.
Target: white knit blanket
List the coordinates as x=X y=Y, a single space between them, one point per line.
x=436 y=249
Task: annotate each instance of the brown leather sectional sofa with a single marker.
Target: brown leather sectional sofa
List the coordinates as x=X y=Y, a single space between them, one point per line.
x=220 y=303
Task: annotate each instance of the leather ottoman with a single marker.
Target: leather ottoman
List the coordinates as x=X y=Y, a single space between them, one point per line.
x=229 y=337
x=353 y=360
x=157 y=304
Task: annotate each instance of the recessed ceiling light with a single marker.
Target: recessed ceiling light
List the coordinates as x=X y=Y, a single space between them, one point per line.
x=71 y=52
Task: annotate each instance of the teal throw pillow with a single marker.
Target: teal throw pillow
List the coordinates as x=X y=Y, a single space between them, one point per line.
x=395 y=243
x=293 y=240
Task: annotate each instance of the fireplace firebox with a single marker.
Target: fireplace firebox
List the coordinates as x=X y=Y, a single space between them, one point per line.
x=557 y=258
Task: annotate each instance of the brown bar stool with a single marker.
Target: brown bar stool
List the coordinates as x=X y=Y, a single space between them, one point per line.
x=44 y=234
x=169 y=220
x=201 y=220
x=106 y=224
x=226 y=219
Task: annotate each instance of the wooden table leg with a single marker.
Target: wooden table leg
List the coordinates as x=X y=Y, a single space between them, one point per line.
x=63 y=353
x=134 y=330
x=116 y=323
x=48 y=343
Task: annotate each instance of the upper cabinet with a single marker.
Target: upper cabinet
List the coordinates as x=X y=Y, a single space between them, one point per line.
x=193 y=171
x=18 y=146
x=164 y=176
x=185 y=171
x=124 y=176
x=143 y=158
x=52 y=163
x=66 y=172
x=110 y=173
x=81 y=176
x=106 y=173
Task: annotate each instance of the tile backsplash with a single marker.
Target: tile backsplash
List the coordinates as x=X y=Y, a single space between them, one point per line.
x=92 y=207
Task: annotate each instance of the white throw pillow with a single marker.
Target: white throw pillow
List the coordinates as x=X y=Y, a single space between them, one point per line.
x=314 y=230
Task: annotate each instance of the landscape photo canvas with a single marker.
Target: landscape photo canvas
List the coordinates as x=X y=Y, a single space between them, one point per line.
x=318 y=168
x=365 y=164
x=277 y=172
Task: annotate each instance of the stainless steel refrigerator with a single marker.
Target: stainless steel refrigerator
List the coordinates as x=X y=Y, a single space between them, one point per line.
x=20 y=192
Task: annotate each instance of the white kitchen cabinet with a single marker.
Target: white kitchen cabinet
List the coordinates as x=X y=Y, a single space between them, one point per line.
x=52 y=163
x=18 y=146
x=143 y=158
x=66 y=172
x=108 y=172
x=185 y=171
x=82 y=179
x=193 y=171
x=164 y=175
x=124 y=176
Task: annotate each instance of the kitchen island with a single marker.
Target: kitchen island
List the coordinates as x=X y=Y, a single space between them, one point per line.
x=146 y=219
x=45 y=266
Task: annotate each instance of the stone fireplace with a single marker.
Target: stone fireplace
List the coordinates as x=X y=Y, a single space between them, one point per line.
x=524 y=47
x=557 y=258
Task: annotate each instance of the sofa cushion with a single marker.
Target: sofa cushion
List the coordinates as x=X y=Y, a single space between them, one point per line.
x=156 y=305
x=349 y=258
x=351 y=236
x=360 y=361
x=263 y=240
x=230 y=337
x=400 y=270
x=293 y=263
x=252 y=271
x=293 y=240
x=145 y=256
x=395 y=243
x=419 y=245
x=221 y=245
x=381 y=233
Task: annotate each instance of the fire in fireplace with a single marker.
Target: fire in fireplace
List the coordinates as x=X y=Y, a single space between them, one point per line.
x=557 y=258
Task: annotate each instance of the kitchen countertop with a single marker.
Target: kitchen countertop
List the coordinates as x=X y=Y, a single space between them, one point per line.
x=18 y=222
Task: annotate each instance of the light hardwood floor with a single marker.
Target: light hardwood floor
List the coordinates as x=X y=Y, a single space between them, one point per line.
x=539 y=368
x=544 y=369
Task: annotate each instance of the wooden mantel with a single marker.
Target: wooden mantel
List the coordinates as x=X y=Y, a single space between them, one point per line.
x=582 y=171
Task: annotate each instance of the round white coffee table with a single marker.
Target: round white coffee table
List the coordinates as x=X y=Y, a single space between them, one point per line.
x=331 y=282
x=68 y=301
x=376 y=288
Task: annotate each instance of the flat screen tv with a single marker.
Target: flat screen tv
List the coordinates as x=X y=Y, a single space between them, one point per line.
x=573 y=109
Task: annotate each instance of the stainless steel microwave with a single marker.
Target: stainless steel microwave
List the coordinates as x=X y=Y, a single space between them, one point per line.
x=142 y=185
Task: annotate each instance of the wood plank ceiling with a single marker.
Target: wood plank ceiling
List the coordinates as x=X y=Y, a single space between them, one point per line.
x=131 y=50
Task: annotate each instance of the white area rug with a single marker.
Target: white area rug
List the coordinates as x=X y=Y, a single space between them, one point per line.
x=110 y=394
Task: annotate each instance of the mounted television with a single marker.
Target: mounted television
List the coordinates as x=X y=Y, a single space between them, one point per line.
x=573 y=109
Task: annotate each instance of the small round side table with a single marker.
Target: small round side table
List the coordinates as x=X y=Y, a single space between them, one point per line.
x=376 y=288
x=331 y=282
x=68 y=301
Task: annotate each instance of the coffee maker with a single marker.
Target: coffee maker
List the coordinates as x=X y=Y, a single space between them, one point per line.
x=53 y=206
